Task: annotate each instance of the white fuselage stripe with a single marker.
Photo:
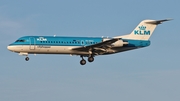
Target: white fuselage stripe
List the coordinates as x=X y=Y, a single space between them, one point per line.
x=46 y=49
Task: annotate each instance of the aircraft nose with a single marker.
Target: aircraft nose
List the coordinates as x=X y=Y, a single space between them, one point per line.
x=10 y=48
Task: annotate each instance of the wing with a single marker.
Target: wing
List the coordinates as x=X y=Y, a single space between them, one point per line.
x=97 y=47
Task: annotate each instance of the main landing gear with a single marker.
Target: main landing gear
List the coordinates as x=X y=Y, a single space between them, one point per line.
x=83 y=61
x=91 y=59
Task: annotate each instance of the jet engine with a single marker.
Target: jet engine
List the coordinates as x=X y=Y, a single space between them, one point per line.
x=119 y=43
x=105 y=39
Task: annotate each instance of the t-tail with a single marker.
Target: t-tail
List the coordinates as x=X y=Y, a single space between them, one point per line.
x=144 y=30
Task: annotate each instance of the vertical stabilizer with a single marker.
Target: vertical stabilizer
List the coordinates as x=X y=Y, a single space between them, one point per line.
x=144 y=30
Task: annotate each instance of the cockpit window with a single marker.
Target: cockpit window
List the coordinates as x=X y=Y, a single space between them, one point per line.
x=21 y=41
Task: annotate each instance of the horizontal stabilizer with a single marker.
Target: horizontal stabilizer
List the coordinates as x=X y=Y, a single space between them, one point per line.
x=156 y=22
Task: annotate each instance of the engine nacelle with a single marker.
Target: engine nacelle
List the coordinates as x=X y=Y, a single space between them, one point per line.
x=105 y=39
x=118 y=43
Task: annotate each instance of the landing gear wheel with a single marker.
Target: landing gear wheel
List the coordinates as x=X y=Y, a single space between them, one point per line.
x=27 y=58
x=90 y=59
x=83 y=62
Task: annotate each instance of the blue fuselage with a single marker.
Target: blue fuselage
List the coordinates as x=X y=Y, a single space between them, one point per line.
x=64 y=45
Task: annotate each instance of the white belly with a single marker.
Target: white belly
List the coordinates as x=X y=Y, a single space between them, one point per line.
x=48 y=50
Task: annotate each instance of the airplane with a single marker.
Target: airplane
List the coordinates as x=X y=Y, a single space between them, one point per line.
x=86 y=46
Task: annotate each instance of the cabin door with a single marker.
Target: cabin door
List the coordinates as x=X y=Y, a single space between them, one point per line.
x=32 y=43
x=82 y=42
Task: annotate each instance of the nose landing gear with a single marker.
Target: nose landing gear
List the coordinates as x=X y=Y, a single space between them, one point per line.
x=27 y=58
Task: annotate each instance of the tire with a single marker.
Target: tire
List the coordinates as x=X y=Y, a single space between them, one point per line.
x=83 y=62
x=90 y=59
x=27 y=58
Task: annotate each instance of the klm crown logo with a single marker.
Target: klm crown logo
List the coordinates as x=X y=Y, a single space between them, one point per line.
x=142 y=27
x=142 y=31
